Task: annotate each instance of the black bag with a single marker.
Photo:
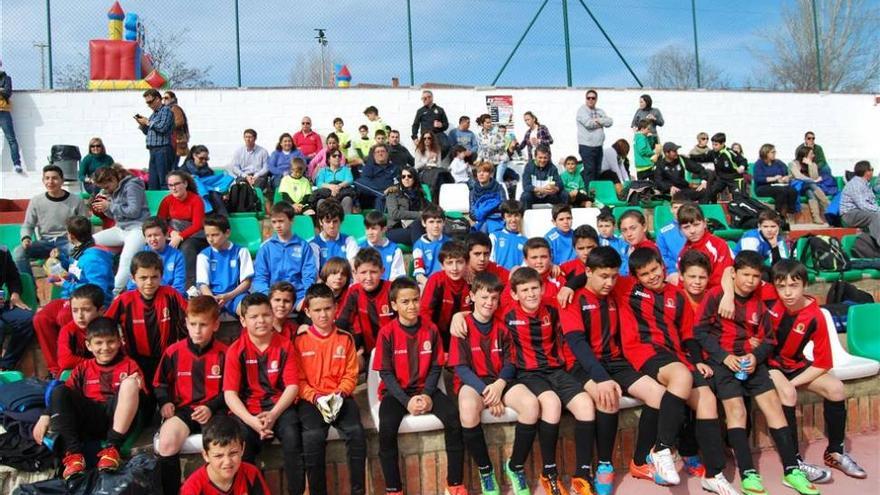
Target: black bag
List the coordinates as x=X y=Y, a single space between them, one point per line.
x=457 y=228
x=640 y=192
x=22 y=395
x=714 y=225
x=865 y=247
x=824 y=253
x=744 y=211
x=19 y=451
x=139 y=476
x=840 y=297
x=435 y=177
x=242 y=198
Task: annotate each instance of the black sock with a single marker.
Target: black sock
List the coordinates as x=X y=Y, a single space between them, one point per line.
x=687 y=438
x=835 y=424
x=584 y=441
x=523 y=439
x=606 y=434
x=115 y=438
x=671 y=418
x=169 y=470
x=547 y=436
x=647 y=435
x=739 y=440
x=475 y=442
x=785 y=447
x=708 y=436
x=791 y=418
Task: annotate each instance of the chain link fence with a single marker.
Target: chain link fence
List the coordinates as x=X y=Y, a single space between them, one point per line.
x=754 y=44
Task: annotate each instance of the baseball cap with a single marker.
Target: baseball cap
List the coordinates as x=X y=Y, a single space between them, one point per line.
x=670 y=146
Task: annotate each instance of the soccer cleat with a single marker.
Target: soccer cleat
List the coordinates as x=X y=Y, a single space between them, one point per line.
x=845 y=463
x=552 y=486
x=109 y=459
x=752 y=484
x=645 y=472
x=74 y=464
x=718 y=484
x=604 y=482
x=456 y=490
x=799 y=482
x=694 y=466
x=518 y=482
x=488 y=484
x=18 y=168
x=581 y=486
x=664 y=464
x=814 y=473
x=399 y=492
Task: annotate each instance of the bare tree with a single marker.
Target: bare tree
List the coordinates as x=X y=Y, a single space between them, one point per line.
x=306 y=70
x=162 y=48
x=673 y=67
x=849 y=46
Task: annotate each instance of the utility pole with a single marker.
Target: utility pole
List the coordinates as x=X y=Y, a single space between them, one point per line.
x=42 y=47
x=322 y=40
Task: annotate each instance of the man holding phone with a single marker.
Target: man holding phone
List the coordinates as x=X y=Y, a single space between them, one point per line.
x=158 y=130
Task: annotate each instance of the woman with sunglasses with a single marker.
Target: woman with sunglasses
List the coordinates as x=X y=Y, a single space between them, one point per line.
x=184 y=211
x=405 y=203
x=196 y=165
x=97 y=158
x=335 y=181
x=702 y=147
x=331 y=145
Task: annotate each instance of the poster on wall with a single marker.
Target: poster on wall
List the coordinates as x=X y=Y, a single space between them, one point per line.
x=500 y=107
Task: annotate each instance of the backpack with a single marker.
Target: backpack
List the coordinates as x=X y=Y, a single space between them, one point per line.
x=840 y=297
x=824 y=253
x=22 y=395
x=242 y=198
x=19 y=451
x=457 y=228
x=865 y=247
x=744 y=211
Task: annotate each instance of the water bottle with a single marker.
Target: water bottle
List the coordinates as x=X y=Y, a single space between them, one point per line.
x=49 y=440
x=742 y=374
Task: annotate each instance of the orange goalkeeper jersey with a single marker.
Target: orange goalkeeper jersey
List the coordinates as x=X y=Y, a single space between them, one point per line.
x=328 y=363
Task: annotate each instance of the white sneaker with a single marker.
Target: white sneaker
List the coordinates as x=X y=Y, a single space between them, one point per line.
x=664 y=463
x=814 y=473
x=718 y=484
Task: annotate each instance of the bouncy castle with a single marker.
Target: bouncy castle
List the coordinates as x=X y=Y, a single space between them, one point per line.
x=119 y=61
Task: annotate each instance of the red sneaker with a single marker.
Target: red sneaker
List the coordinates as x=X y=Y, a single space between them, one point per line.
x=74 y=464
x=109 y=459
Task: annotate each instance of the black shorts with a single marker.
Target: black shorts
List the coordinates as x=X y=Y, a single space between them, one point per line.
x=553 y=380
x=618 y=369
x=652 y=368
x=790 y=375
x=185 y=414
x=728 y=387
x=490 y=381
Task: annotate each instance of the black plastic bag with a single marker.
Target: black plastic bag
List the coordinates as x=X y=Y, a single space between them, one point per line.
x=139 y=476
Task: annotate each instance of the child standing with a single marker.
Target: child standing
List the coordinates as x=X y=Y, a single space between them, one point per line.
x=376 y=226
x=363 y=143
x=507 y=243
x=425 y=249
x=458 y=167
x=560 y=236
x=224 y=270
x=344 y=138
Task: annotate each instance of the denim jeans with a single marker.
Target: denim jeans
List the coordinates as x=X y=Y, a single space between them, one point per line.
x=162 y=161
x=38 y=249
x=17 y=324
x=9 y=132
x=591 y=156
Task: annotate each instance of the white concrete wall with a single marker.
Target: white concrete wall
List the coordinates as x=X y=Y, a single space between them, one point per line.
x=845 y=124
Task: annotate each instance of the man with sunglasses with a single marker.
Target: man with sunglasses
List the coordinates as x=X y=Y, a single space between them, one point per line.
x=158 y=128
x=818 y=152
x=307 y=141
x=430 y=118
x=591 y=124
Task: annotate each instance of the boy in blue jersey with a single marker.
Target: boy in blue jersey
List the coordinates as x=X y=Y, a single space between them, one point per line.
x=330 y=242
x=392 y=257
x=508 y=243
x=285 y=256
x=605 y=225
x=223 y=270
x=173 y=265
x=427 y=247
x=561 y=236
x=670 y=240
x=86 y=263
x=765 y=240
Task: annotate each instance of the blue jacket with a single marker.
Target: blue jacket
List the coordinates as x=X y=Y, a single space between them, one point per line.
x=481 y=199
x=531 y=174
x=425 y=260
x=293 y=261
x=222 y=270
x=507 y=248
x=763 y=170
x=622 y=249
x=561 y=245
x=173 y=269
x=378 y=177
x=752 y=240
x=94 y=266
x=670 y=242
x=279 y=163
x=344 y=246
x=392 y=259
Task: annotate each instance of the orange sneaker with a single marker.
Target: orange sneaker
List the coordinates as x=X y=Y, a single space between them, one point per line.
x=552 y=485
x=109 y=459
x=581 y=486
x=456 y=490
x=644 y=472
x=74 y=464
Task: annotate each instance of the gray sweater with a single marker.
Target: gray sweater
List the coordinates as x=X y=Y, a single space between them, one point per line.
x=48 y=216
x=128 y=204
x=589 y=132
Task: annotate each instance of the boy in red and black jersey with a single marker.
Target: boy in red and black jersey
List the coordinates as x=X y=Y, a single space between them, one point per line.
x=152 y=316
x=538 y=256
x=187 y=385
x=366 y=307
x=260 y=385
x=409 y=356
x=584 y=239
x=479 y=250
x=693 y=225
x=86 y=303
x=224 y=473
x=446 y=291
x=100 y=393
x=282 y=296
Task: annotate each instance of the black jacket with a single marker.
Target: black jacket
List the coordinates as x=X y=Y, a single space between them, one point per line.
x=668 y=174
x=424 y=121
x=726 y=163
x=9 y=274
x=400 y=156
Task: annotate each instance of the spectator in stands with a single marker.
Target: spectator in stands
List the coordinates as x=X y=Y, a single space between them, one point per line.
x=492 y=146
x=397 y=152
x=858 y=205
x=669 y=174
x=196 y=164
x=646 y=151
x=772 y=179
x=805 y=169
x=465 y=137
x=702 y=146
x=250 y=162
x=377 y=176
x=647 y=112
x=87 y=263
x=459 y=167
x=44 y=221
x=591 y=123
x=405 y=204
x=307 y=141
x=95 y=159
x=126 y=203
x=184 y=210
x=428 y=153
x=541 y=181
x=180 y=131
x=320 y=159
x=158 y=129
x=485 y=198
x=374 y=122
x=335 y=181
x=285 y=256
x=737 y=149
x=765 y=240
x=363 y=144
x=278 y=163
x=295 y=187
x=15 y=315
x=810 y=142
x=430 y=117
x=615 y=164
x=729 y=167
x=536 y=135
x=6 y=118
x=573 y=181
x=342 y=136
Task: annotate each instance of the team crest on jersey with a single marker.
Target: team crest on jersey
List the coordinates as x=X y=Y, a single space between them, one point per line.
x=233 y=263
x=467 y=300
x=215 y=370
x=670 y=303
x=545 y=320
x=213 y=265
x=501 y=242
x=340 y=351
x=429 y=255
x=426 y=346
x=754 y=319
x=273 y=366
x=386 y=310
x=171 y=266
x=389 y=258
x=800 y=329
x=123 y=376
x=296 y=252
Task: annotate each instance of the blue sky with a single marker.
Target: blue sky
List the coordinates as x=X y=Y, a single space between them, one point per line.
x=454 y=41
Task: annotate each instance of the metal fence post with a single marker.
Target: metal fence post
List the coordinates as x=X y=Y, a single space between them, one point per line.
x=49 y=40
x=409 y=36
x=237 y=46
x=696 y=44
x=818 y=51
x=518 y=43
x=567 y=42
x=613 y=46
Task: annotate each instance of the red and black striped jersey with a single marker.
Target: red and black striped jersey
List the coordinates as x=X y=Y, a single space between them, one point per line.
x=100 y=382
x=442 y=298
x=718 y=252
x=599 y=319
x=794 y=331
x=189 y=376
x=484 y=353
x=72 y=346
x=248 y=481
x=260 y=377
x=409 y=356
x=288 y=329
x=721 y=337
x=652 y=322
x=573 y=268
x=149 y=327
x=536 y=337
x=551 y=286
x=499 y=271
x=363 y=313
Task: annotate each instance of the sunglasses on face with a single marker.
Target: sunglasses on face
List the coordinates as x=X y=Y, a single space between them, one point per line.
x=591 y=97
x=335 y=155
x=406 y=176
x=811 y=138
x=306 y=123
x=96 y=146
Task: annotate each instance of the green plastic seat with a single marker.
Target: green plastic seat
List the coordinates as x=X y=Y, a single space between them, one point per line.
x=620 y=210
x=813 y=274
x=353 y=225
x=65 y=375
x=605 y=193
x=862 y=338
x=304 y=227
x=10 y=235
x=427 y=191
x=246 y=232
x=715 y=211
x=847 y=242
x=10 y=376
x=662 y=217
x=261 y=211
x=29 y=291
x=154 y=198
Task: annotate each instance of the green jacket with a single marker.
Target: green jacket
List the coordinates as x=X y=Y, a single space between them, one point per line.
x=643 y=149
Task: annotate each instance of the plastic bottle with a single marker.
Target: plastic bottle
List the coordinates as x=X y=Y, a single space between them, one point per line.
x=742 y=374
